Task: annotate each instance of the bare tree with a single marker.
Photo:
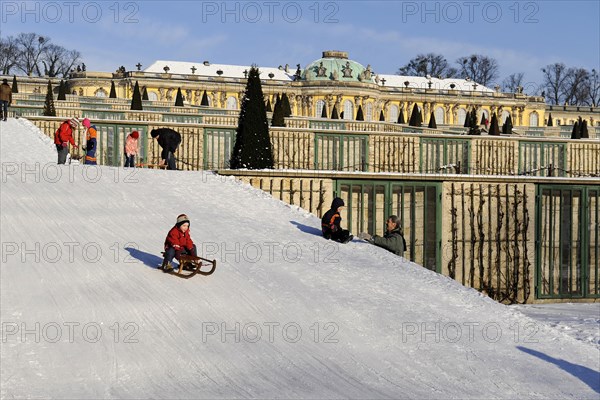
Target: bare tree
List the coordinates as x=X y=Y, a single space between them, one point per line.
x=555 y=76
x=31 y=48
x=428 y=64
x=479 y=68
x=576 y=90
x=58 y=61
x=511 y=83
x=594 y=91
x=9 y=53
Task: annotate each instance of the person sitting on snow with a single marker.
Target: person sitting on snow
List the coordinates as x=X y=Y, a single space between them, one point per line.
x=178 y=242
x=63 y=136
x=393 y=240
x=91 y=137
x=330 y=223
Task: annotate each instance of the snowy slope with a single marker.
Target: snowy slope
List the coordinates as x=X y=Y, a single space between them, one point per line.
x=85 y=314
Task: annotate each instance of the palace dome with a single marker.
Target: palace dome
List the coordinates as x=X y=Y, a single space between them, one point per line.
x=335 y=66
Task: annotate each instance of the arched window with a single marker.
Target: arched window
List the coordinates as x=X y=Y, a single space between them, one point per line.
x=393 y=113
x=319 y=108
x=369 y=112
x=348 y=110
x=440 y=117
x=231 y=103
x=462 y=116
x=152 y=96
x=533 y=119
x=101 y=93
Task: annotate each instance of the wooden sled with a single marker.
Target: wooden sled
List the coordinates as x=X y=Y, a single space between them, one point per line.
x=152 y=166
x=192 y=265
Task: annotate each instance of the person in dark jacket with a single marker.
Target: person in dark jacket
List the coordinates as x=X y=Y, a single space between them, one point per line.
x=331 y=223
x=178 y=242
x=169 y=140
x=393 y=240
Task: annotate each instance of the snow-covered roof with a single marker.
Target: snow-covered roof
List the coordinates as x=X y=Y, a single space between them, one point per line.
x=421 y=82
x=279 y=74
x=208 y=69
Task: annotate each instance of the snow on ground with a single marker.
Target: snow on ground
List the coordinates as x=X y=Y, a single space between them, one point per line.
x=86 y=314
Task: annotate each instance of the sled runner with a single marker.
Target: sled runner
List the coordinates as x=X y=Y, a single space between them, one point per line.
x=192 y=265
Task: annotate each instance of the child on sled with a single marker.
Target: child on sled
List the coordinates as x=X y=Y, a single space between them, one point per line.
x=178 y=242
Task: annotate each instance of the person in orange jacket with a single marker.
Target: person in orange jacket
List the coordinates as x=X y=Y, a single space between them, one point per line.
x=63 y=136
x=91 y=143
x=178 y=242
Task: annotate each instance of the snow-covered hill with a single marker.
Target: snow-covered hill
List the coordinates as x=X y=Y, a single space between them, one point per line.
x=86 y=314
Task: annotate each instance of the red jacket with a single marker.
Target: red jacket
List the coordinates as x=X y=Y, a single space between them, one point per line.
x=64 y=134
x=177 y=237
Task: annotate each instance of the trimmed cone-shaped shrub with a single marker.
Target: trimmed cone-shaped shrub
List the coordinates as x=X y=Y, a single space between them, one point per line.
x=381 y=116
x=334 y=113
x=179 y=98
x=550 y=123
x=359 y=114
x=287 y=110
x=268 y=106
x=507 y=126
x=576 y=132
x=324 y=111
x=113 y=90
x=432 y=124
x=204 y=101
x=145 y=94
x=49 y=110
x=584 y=130
x=401 y=117
x=278 y=118
x=482 y=122
x=15 y=87
x=62 y=90
x=494 y=128
x=252 y=147
x=467 y=123
x=136 y=100
x=415 y=117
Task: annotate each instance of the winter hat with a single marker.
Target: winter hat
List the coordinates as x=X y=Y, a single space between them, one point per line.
x=135 y=134
x=74 y=122
x=4 y=80
x=182 y=219
x=86 y=123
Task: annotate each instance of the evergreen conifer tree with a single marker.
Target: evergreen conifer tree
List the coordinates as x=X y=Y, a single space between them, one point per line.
x=278 y=119
x=179 y=98
x=145 y=94
x=334 y=113
x=136 y=100
x=113 y=91
x=381 y=116
x=252 y=147
x=62 y=91
x=359 y=114
x=494 y=128
x=15 y=87
x=287 y=110
x=550 y=123
x=507 y=126
x=576 y=132
x=415 y=117
x=584 y=130
x=324 y=111
x=432 y=124
x=49 y=110
x=204 y=101
x=401 y=119
x=269 y=108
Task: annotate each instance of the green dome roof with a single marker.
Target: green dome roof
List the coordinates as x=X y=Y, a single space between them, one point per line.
x=335 y=66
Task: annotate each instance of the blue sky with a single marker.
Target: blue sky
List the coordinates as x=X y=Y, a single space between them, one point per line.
x=523 y=36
